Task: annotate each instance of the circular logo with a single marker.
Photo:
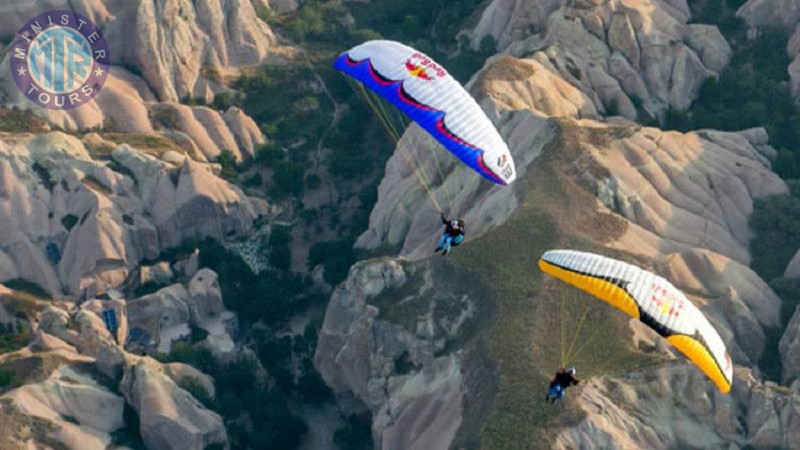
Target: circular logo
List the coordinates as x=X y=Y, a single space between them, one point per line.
x=59 y=59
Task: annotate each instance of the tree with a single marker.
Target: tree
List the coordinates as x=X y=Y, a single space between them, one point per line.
x=355 y=434
x=228 y=163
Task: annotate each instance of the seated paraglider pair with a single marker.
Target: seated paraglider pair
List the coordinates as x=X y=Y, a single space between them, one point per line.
x=561 y=381
x=452 y=236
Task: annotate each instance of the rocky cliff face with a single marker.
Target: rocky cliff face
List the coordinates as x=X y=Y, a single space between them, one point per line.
x=677 y=202
x=79 y=215
x=77 y=376
x=396 y=360
x=169 y=314
x=180 y=49
x=645 y=413
x=620 y=55
x=82 y=413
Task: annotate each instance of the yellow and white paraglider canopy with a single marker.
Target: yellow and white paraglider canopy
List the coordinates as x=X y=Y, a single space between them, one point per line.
x=651 y=299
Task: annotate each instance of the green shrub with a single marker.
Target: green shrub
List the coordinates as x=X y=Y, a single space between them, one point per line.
x=776 y=233
x=8 y=379
x=336 y=256
x=255 y=180
x=193 y=386
x=228 y=163
x=355 y=434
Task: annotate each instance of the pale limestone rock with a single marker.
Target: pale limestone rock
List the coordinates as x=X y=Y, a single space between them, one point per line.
x=622 y=37
x=120 y=312
x=760 y=13
x=660 y=61
x=177 y=43
x=672 y=406
x=100 y=221
x=740 y=302
x=190 y=265
x=159 y=273
x=85 y=412
x=793 y=268
x=198 y=205
x=358 y=352
x=533 y=84
x=508 y=21
x=169 y=417
x=694 y=189
x=169 y=314
x=789 y=348
x=712 y=48
x=181 y=373
x=180 y=47
x=245 y=130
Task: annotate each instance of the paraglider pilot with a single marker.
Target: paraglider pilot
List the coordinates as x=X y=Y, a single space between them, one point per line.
x=453 y=234
x=561 y=381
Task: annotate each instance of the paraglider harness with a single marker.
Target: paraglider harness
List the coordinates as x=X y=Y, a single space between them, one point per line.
x=560 y=382
x=453 y=234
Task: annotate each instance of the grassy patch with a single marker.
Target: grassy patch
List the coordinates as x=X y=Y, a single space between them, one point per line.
x=31 y=369
x=26 y=300
x=28 y=287
x=99 y=150
x=14 y=337
x=153 y=144
x=94 y=184
x=17 y=120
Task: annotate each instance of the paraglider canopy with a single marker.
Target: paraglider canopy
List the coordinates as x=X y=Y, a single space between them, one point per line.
x=415 y=84
x=651 y=299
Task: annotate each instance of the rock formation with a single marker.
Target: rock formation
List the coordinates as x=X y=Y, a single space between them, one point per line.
x=621 y=55
x=784 y=14
x=169 y=417
x=79 y=224
x=181 y=50
x=169 y=314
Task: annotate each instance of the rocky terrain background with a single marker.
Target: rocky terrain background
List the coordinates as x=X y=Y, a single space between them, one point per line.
x=564 y=91
x=106 y=211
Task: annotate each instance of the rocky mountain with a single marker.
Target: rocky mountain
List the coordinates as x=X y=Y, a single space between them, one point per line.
x=616 y=56
x=473 y=336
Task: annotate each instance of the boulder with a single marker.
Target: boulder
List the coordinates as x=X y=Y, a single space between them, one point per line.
x=169 y=417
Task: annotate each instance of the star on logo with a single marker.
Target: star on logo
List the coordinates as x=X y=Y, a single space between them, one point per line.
x=98 y=72
x=417 y=71
x=21 y=71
